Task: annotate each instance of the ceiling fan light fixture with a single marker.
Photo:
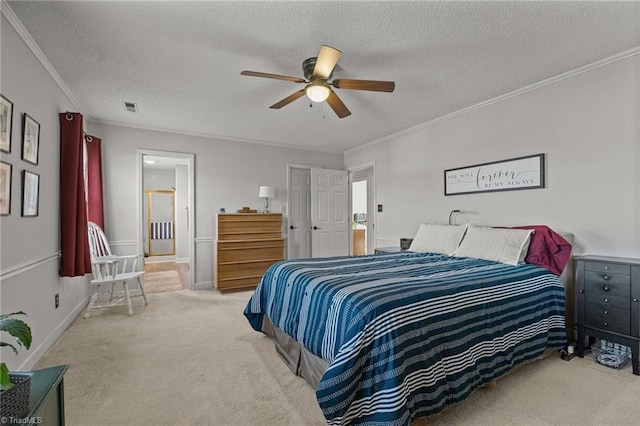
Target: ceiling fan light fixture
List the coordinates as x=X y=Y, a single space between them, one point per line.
x=317 y=91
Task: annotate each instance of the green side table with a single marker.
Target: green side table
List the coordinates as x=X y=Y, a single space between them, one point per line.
x=47 y=396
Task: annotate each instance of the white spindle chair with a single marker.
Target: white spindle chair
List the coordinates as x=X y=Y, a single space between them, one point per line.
x=109 y=270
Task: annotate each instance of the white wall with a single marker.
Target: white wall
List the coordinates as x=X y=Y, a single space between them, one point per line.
x=159 y=179
x=30 y=245
x=359 y=197
x=586 y=124
x=227 y=174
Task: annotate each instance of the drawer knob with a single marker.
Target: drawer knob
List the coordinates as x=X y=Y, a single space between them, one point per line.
x=606 y=312
x=606 y=324
x=605 y=277
x=606 y=268
x=635 y=299
x=605 y=299
x=605 y=288
x=582 y=290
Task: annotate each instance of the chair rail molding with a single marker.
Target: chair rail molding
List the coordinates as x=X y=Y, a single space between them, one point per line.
x=23 y=267
x=124 y=243
x=203 y=240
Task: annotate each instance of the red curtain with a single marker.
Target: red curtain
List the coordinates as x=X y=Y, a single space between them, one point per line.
x=74 y=244
x=93 y=147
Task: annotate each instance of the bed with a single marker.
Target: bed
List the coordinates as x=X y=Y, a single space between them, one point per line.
x=391 y=338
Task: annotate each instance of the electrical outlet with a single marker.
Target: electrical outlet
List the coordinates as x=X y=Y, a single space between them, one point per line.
x=57 y=298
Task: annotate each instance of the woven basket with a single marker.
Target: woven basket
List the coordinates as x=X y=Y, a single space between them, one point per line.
x=14 y=402
x=611 y=354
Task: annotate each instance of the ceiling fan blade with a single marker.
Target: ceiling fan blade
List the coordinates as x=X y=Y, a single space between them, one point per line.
x=372 y=85
x=337 y=105
x=286 y=101
x=327 y=60
x=274 y=76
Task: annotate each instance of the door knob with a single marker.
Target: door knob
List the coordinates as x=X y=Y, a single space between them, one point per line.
x=316 y=227
x=293 y=227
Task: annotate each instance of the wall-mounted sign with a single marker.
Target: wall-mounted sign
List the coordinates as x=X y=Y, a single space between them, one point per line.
x=505 y=175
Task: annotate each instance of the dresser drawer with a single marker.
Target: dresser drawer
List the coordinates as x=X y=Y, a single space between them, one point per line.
x=607 y=300
x=610 y=319
x=607 y=268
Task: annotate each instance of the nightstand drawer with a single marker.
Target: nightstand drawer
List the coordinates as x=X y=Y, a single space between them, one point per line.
x=607 y=268
x=607 y=300
x=610 y=319
x=607 y=288
x=605 y=278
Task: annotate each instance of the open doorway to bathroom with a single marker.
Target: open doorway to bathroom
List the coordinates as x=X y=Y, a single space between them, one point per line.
x=362 y=210
x=165 y=231
x=359 y=209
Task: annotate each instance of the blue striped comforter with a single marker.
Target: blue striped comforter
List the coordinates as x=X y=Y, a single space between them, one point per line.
x=407 y=334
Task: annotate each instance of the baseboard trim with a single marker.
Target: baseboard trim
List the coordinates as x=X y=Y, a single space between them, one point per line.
x=37 y=354
x=203 y=285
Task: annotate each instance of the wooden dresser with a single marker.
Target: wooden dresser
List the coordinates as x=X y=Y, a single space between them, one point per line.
x=246 y=245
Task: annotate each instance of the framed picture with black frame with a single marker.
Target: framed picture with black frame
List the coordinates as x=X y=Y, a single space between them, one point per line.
x=5 y=188
x=30 y=139
x=504 y=175
x=30 y=193
x=6 y=123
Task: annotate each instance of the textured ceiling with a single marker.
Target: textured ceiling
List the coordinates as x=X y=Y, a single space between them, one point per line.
x=181 y=61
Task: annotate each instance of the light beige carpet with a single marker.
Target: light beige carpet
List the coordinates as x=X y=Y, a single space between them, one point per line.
x=191 y=358
x=161 y=281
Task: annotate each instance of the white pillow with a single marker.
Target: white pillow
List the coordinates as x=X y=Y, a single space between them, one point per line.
x=443 y=239
x=497 y=244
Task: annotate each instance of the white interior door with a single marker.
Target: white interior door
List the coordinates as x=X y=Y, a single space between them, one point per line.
x=299 y=217
x=330 y=222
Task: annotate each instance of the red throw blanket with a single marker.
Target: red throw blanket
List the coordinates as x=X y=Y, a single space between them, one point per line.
x=547 y=248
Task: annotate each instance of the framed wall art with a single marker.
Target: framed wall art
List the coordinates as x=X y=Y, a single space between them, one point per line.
x=5 y=188
x=6 y=123
x=30 y=193
x=30 y=139
x=504 y=175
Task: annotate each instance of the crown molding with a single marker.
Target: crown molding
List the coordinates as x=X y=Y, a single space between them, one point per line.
x=8 y=13
x=213 y=136
x=535 y=86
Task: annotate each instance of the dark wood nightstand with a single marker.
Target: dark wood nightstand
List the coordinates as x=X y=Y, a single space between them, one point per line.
x=395 y=249
x=608 y=302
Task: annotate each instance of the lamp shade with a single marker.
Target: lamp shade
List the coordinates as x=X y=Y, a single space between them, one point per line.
x=265 y=192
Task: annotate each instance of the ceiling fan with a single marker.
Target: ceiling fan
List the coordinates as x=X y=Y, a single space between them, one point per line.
x=317 y=72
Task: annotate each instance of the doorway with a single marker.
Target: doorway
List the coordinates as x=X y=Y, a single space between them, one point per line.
x=363 y=209
x=159 y=222
x=359 y=212
x=166 y=219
